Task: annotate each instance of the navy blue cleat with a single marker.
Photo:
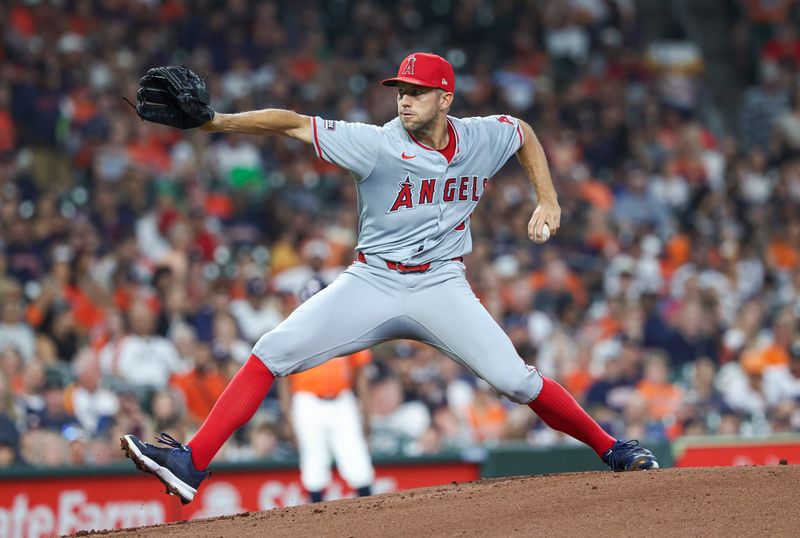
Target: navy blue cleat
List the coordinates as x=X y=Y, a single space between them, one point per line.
x=629 y=456
x=173 y=466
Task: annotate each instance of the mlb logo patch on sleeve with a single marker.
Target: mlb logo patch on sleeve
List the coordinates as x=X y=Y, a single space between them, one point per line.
x=330 y=125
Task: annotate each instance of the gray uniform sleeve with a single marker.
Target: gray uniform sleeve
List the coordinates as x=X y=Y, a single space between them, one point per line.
x=353 y=146
x=503 y=137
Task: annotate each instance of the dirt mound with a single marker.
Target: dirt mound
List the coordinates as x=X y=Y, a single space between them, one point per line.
x=720 y=501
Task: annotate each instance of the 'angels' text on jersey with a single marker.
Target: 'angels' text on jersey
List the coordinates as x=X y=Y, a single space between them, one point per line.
x=463 y=189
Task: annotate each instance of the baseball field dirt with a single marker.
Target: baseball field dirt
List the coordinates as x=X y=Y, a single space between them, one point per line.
x=719 y=501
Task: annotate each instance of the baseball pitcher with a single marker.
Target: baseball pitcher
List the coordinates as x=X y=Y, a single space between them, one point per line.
x=419 y=178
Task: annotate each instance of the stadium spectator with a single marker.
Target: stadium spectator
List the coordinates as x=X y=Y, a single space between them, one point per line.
x=8 y=131
x=396 y=425
x=174 y=316
x=45 y=448
x=31 y=386
x=741 y=384
x=264 y=442
x=10 y=406
x=486 y=415
x=451 y=432
x=130 y=417
x=9 y=443
x=786 y=131
x=141 y=358
x=53 y=414
x=782 y=381
x=784 y=44
x=639 y=423
x=660 y=397
x=14 y=332
x=168 y=411
x=203 y=384
x=255 y=313
x=763 y=104
x=86 y=398
x=636 y=207
x=703 y=403
x=226 y=343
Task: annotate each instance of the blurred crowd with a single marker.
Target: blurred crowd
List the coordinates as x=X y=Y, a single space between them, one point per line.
x=139 y=264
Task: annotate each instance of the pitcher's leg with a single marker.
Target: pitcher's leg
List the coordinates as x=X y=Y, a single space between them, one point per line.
x=457 y=323
x=181 y=468
x=467 y=331
x=347 y=316
x=235 y=407
x=559 y=410
x=343 y=318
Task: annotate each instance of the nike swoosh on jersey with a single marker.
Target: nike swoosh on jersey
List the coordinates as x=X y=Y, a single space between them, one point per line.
x=407 y=156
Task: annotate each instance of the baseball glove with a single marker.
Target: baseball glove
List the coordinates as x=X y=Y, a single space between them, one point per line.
x=174 y=95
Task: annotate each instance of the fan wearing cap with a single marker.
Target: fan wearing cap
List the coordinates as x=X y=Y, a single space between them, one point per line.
x=419 y=177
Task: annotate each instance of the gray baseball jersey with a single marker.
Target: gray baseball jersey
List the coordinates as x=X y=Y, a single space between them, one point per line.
x=414 y=209
x=414 y=206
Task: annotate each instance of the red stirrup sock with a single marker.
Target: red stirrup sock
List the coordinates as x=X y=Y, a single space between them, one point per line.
x=559 y=410
x=236 y=405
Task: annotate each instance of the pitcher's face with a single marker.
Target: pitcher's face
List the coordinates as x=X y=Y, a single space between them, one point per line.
x=418 y=106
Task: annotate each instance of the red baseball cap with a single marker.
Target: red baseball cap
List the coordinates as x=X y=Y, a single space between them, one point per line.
x=425 y=69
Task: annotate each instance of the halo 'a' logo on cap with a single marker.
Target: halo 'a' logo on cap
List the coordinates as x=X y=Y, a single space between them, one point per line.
x=409 y=69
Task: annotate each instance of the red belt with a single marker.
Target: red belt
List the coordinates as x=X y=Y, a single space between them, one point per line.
x=399 y=267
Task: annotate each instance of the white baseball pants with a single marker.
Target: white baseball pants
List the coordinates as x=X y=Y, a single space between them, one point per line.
x=330 y=430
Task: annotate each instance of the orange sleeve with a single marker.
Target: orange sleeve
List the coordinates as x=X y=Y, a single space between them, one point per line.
x=360 y=358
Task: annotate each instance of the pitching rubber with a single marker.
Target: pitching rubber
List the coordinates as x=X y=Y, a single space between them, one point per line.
x=174 y=485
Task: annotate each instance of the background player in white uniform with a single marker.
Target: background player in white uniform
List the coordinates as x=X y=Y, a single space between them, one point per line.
x=321 y=408
x=419 y=177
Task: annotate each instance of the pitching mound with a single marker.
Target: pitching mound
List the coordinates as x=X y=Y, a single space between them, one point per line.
x=720 y=501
